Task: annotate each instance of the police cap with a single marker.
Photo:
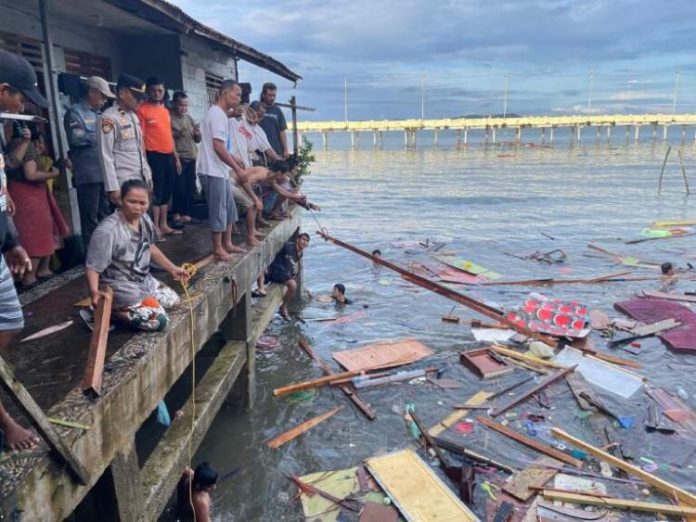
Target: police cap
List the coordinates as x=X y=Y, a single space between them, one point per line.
x=135 y=84
x=19 y=73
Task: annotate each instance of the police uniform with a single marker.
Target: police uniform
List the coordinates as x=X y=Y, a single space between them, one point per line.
x=121 y=147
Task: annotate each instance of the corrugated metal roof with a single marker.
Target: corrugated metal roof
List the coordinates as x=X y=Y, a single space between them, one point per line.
x=162 y=13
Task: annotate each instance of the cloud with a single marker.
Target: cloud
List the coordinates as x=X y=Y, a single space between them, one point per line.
x=465 y=48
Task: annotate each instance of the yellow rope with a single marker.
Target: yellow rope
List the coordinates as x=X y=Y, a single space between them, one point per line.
x=191 y=271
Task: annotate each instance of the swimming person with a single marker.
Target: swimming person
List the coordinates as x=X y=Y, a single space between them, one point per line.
x=193 y=498
x=339 y=294
x=119 y=255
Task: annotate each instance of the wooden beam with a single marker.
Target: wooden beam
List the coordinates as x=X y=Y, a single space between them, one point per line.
x=526 y=395
x=620 y=503
x=347 y=389
x=27 y=404
x=525 y=358
x=662 y=485
x=298 y=430
x=92 y=382
x=454 y=417
x=530 y=442
x=316 y=383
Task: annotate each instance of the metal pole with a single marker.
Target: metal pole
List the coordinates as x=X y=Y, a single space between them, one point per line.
x=589 y=96
x=422 y=97
x=507 y=79
x=676 y=91
x=345 y=99
x=295 y=136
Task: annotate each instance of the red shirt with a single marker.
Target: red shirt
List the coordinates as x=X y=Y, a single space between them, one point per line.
x=157 y=127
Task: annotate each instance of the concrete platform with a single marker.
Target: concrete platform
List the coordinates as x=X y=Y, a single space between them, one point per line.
x=141 y=368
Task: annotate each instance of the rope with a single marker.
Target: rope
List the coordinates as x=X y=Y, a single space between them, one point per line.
x=191 y=270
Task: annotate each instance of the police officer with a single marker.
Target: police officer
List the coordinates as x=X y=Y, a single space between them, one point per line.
x=81 y=129
x=120 y=139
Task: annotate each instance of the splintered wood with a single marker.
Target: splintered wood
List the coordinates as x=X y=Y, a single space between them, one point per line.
x=521 y=485
x=298 y=430
x=383 y=354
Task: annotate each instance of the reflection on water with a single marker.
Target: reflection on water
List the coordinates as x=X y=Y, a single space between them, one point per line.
x=486 y=207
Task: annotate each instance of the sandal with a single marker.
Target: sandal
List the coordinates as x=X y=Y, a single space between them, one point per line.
x=258 y=293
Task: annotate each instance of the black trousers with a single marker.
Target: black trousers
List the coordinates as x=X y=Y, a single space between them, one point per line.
x=94 y=206
x=184 y=188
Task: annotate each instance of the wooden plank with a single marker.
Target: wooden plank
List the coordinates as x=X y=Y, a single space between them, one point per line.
x=521 y=485
x=32 y=410
x=457 y=415
x=383 y=354
x=460 y=449
x=92 y=382
x=654 y=328
x=525 y=358
x=662 y=485
x=315 y=383
x=298 y=430
x=668 y=296
x=543 y=384
x=530 y=442
x=418 y=493
x=633 y=505
x=578 y=385
x=347 y=389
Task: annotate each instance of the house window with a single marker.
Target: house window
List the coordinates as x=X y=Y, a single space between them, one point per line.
x=212 y=86
x=82 y=63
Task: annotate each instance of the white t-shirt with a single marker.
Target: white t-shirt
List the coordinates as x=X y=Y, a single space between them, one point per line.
x=214 y=126
x=238 y=142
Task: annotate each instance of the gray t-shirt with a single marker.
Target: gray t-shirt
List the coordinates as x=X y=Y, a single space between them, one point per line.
x=122 y=257
x=273 y=125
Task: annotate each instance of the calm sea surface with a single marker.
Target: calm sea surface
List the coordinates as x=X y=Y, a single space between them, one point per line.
x=484 y=203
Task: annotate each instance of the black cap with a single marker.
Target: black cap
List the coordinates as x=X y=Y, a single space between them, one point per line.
x=19 y=73
x=135 y=84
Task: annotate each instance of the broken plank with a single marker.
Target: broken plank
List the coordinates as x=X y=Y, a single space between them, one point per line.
x=668 y=296
x=655 y=328
x=525 y=358
x=523 y=483
x=298 y=430
x=476 y=400
x=27 y=404
x=578 y=384
x=315 y=383
x=418 y=493
x=530 y=442
x=543 y=384
x=633 y=505
x=460 y=449
x=383 y=354
x=94 y=369
x=347 y=389
x=669 y=489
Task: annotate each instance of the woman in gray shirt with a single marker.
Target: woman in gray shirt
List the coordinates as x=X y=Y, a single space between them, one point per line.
x=119 y=255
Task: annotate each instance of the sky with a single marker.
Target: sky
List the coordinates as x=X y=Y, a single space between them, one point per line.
x=394 y=59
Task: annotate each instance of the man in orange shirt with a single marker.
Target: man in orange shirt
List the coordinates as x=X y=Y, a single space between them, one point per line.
x=161 y=154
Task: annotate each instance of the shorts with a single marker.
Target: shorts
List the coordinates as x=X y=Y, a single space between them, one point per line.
x=164 y=174
x=269 y=202
x=11 y=317
x=222 y=211
x=241 y=198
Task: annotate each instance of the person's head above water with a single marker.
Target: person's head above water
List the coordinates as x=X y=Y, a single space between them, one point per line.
x=377 y=252
x=667 y=268
x=340 y=288
x=339 y=294
x=205 y=477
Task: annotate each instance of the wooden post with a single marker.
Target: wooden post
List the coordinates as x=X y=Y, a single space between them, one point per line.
x=637 y=133
x=295 y=137
x=551 y=133
x=664 y=132
x=579 y=130
x=325 y=139
x=374 y=138
x=466 y=136
x=493 y=135
x=125 y=472
x=518 y=134
x=406 y=138
x=436 y=133
x=32 y=410
x=608 y=133
x=92 y=382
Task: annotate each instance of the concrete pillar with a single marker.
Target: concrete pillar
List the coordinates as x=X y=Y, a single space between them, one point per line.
x=637 y=133
x=466 y=136
x=236 y=326
x=406 y=138
x=493 y=135
x=664 y=131
x=374 y=139
x=551 y=133
x=325 y=139
x=579 y=131
x=125 y=472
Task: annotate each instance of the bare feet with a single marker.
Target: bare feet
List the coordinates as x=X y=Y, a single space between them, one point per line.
x=222 y=255
x=17 y=437
x=252 y=241
x=233 y=249
x=284 y=312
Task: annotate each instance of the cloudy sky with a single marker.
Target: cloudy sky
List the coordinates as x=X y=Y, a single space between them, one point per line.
x=556 y=56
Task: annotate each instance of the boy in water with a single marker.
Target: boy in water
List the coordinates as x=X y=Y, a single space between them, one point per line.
x=193 y=494
x=339 y=294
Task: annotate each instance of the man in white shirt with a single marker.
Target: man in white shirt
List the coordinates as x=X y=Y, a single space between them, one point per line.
x=219 y=170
